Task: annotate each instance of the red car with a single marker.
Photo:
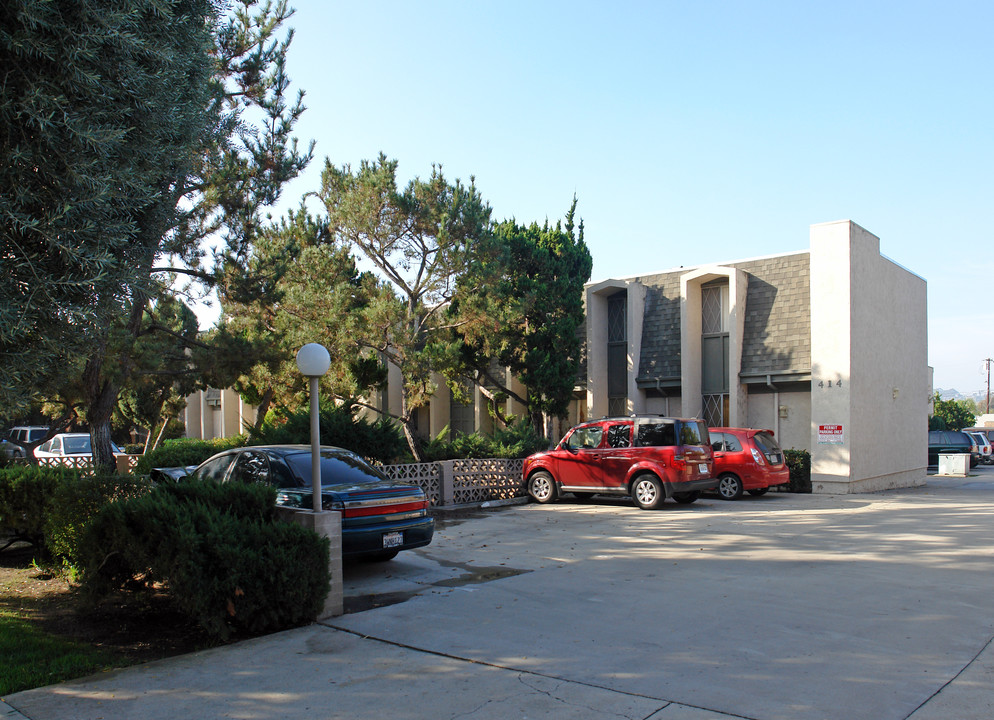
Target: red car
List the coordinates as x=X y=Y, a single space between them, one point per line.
x=747 y=459
x=650 y=458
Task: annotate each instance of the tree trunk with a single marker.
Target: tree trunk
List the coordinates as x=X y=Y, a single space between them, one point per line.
x=538 y=422
x=413 y=441
x=547 y=429
x=101 y=392
x=104 y=461
x=101 y=395
x=162 y=431
x=263 y=409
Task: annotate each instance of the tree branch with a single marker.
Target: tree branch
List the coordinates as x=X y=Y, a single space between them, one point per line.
x=200 y=274
x=156 y=327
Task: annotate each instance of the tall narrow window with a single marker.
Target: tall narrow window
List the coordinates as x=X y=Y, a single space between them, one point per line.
x=617 y=354
x=714 y=353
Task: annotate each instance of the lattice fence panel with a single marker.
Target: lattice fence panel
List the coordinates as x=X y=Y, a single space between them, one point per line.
x=426 y=475
x=486 y=479
x=83 y=464
x=125 y=463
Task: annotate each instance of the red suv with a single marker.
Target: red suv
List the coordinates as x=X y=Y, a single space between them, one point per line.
x=747 y=459
x=650 y=458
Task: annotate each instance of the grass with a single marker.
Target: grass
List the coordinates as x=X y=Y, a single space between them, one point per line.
x=30 y=658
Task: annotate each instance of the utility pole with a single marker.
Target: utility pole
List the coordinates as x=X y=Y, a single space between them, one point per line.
x=987 y=362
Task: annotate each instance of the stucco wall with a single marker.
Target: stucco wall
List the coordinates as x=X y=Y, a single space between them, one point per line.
x=792 y=428
x=890 y=372
x=795 y=429
x=664 y=406
x=869 y=364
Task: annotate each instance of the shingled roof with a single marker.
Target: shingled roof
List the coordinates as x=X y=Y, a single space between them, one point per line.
x=777 y=333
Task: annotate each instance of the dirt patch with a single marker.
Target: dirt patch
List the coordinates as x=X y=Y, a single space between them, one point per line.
x=138 y=627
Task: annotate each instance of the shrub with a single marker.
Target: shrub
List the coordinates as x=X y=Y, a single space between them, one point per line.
x=799 y=463
x=377 y=441
x=75 y=501
x=185 y=451
x=224 y=557
x=518 y=440
x=26 y=495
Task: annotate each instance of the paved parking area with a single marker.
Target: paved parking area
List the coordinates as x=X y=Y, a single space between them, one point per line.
x=860 y=606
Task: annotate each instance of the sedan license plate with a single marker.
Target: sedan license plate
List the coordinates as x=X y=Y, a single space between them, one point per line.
x=703 y=468
x=393 y=539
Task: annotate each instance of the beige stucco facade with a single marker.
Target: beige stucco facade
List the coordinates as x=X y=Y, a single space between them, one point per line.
x=215 y=413
x=870 y=364
x=826 y=347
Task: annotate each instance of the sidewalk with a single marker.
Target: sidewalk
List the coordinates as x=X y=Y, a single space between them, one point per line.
x=862 y=606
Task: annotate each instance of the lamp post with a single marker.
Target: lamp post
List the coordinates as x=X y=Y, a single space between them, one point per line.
x=313 y=361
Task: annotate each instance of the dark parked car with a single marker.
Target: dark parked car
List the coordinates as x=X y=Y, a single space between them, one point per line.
x=941 y=442
x=379 y=517
x=747 y=459
x=648 y=457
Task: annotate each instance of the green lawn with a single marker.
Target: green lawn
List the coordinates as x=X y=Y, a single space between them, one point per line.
x=30 y=658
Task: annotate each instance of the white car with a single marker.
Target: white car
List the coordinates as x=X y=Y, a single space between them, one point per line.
x=983 y=445
x=69 y=445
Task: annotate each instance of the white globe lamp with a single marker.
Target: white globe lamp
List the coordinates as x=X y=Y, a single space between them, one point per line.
x=313 y=361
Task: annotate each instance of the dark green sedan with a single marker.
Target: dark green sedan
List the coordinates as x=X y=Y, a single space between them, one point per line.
x=379 y=516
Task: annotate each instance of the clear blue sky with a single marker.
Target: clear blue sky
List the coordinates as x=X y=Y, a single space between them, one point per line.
x=691 y=132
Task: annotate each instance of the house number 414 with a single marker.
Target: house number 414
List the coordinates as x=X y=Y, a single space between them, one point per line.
x=829 y=383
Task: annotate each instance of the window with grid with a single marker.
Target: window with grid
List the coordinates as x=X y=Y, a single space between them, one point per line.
x=714 y=353
x=617 y=354
x=716 y=409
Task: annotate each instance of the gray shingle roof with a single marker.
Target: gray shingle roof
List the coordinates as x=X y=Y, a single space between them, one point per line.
x=777 y=332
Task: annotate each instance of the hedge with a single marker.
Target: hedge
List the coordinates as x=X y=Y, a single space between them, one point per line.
x=74 y=504
x=221 y=552
x=519 y=440
x=27 y=493
x=341 y=426
x=799 y=463
x=185 y=451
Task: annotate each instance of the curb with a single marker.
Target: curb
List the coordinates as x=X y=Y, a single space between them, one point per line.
x=9 y=713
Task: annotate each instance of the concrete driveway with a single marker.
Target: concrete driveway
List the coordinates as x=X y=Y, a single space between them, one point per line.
x=786 y=606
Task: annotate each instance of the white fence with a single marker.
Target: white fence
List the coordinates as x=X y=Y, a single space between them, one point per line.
x=125 y=463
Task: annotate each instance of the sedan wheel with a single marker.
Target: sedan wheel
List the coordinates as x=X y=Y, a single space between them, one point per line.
x=759 y=491
x=685 y=498
x=647 y=492
x=729 y=487
x=542 y=487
